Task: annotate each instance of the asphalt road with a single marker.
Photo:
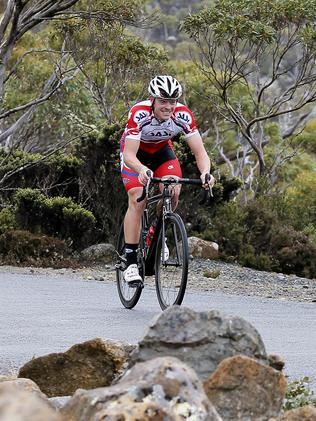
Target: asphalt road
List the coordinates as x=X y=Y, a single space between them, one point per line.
x=39 y=315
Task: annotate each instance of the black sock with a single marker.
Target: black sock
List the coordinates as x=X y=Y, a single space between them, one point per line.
x=131 y=253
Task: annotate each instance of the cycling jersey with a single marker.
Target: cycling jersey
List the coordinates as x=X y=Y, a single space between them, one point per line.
x=155 y=149
x=154 y=134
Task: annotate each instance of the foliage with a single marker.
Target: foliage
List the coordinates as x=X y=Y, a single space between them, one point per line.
x=100 y=180
x=167 y=31
x=268 y=49
x=57 y=216
x=261 y=234
x=24 y=248
x=7 y=220
x=308 y=136
x=298 y=394
x=111 y=55
x=302 y=200
x=55 y=175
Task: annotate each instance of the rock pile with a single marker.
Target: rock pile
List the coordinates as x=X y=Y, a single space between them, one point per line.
x=188 y=366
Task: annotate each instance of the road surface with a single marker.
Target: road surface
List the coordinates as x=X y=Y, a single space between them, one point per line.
x=47 y=314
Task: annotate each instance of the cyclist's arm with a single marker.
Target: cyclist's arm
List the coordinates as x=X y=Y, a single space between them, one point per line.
x=131 y=160
x=196 y=145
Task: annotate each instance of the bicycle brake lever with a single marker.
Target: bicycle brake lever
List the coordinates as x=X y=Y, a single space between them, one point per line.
x=208 y=193
x=143 y=195
x=145 y=189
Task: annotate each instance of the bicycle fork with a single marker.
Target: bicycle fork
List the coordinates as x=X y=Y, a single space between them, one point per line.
x=167 y=209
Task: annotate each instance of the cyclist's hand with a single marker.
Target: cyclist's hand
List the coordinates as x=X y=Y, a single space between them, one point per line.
x=208 y=181
x=144 y=175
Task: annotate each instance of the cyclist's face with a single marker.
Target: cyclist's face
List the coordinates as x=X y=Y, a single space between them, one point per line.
x=164 y=108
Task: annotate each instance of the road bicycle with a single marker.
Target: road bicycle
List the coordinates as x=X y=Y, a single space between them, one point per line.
x=164 y=256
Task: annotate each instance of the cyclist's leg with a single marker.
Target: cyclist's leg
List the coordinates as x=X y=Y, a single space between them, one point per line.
x=132 y=223
x=133 y=216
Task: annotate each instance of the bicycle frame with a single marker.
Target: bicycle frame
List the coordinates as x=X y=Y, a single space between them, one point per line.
x=166 y=197
x=169 y=265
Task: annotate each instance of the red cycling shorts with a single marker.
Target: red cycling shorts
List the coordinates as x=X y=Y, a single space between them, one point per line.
x=162 y=162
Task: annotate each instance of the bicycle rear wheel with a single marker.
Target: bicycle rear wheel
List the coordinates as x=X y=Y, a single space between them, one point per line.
x=171 y=274
x=129 y=296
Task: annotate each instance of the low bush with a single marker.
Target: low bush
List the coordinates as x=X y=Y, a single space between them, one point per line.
x=25 y=248
x=260 y=235
x=56 y=216
x=299 y=394
x=7 y=220
x=56 y=174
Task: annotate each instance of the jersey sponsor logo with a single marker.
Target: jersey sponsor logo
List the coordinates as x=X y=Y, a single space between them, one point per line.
x=184 y=116
x=140 y=115
x=160 y=133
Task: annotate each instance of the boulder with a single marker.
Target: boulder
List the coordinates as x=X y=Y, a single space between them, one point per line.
x=306 y=413
x=276 y=361
x=241 y=389
x=203 y=249
x=99 y=253
x=159 y=389
x=200 y=339
x=25 y=406
x=24 y=385
x=88 y=365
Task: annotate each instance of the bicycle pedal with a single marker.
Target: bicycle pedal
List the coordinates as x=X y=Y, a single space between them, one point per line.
x=120 y=266
x=136 y=284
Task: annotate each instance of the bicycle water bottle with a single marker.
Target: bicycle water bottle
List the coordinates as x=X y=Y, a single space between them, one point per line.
x=150 y=235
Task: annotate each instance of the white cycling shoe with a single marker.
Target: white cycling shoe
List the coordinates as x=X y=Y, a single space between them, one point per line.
x=131 y=274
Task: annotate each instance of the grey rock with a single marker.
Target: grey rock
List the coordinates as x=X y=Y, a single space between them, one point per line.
x=101 y=253
x=25 y=406
x=160 y=389
x=202 y=249
x=24 y=385
x=200 y=339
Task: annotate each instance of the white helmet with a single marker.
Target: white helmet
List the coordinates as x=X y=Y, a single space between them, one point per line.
x=165 y=87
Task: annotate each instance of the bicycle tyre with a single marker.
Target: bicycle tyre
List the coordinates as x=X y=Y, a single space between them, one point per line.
x=171 y=276
x=129 y=296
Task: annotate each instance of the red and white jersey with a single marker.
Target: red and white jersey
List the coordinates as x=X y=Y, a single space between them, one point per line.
x=154 y=134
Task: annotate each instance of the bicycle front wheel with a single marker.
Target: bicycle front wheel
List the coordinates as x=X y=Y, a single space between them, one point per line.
x=129 y=296
x=171 y=263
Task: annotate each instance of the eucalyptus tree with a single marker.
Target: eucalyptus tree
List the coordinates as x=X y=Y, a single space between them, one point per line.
x=117 y=63
x=267 y=48
x=24 y=85
x=18 y=18
x=23 y=18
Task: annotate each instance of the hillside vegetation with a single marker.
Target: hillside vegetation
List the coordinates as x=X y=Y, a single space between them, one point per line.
x=69 y=77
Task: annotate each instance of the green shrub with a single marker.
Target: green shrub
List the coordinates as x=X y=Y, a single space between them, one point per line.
x=100 y=181
x=7 y=220
x=228 y=230
x=57 y=216
x=298 y=394
x=260 y=235
x=23 y=247
x=57 y=174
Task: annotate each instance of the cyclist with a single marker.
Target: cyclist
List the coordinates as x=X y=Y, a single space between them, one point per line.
x=146 y=144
